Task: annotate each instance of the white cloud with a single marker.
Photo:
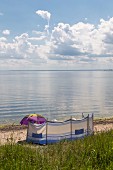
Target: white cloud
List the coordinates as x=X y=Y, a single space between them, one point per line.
x=37 y=38
x=21 y=49
x=44 y=14
x=86 y=19
x=3 y=39
x=1 y=14
x=6 y=32
x=81 y=43
x=71 y=40
x=38 y=32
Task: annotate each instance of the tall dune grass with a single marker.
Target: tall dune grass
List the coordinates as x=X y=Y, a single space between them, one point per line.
x=91 y=153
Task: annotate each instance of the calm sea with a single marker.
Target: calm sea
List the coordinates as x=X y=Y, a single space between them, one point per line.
x=55 y=94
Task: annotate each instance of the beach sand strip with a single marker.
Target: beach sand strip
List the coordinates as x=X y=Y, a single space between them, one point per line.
x=17 y=133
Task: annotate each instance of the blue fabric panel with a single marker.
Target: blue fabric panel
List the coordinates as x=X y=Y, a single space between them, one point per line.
x=79 y=131
x=34 y=135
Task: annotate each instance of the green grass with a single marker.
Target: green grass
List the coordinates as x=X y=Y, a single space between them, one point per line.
x=91 y=153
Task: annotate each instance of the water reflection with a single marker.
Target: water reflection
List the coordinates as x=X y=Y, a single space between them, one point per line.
x=55 y=94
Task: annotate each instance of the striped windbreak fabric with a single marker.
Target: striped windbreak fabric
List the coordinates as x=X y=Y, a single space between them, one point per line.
x=50 y=132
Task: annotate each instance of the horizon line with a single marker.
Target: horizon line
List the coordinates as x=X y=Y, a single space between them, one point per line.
x=60 y=70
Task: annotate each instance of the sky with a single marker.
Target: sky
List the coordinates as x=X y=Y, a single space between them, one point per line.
x=56 y=34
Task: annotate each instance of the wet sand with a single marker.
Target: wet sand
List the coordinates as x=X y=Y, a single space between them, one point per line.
x=17 y=133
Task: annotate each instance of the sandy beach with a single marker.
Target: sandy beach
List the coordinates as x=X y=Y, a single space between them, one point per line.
x=17 y=133
x=12 y=134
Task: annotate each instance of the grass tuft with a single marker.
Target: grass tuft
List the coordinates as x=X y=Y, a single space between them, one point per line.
x=91 y=153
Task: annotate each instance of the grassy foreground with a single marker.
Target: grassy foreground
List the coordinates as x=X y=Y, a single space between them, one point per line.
x=91 y=153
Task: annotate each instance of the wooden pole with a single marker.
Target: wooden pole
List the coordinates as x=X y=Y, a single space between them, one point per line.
x=27 y=131
x=46 y=130
x=82 y=115
x=88 y=124
x=71 y=126
x=92 y=123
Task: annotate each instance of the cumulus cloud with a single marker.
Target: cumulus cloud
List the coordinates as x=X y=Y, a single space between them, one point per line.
x=21 y=49
x=71 y=40
x=6 y=32
x=3 y=39
x=82 y=40
x=78 y=43
x=45 y=15
x=38 y=36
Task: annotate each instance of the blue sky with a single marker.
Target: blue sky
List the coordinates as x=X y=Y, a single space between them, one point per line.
x=55 y=34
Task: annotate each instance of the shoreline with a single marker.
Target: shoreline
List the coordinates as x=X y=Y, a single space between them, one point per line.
x=12 y=127
x=17 y=133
